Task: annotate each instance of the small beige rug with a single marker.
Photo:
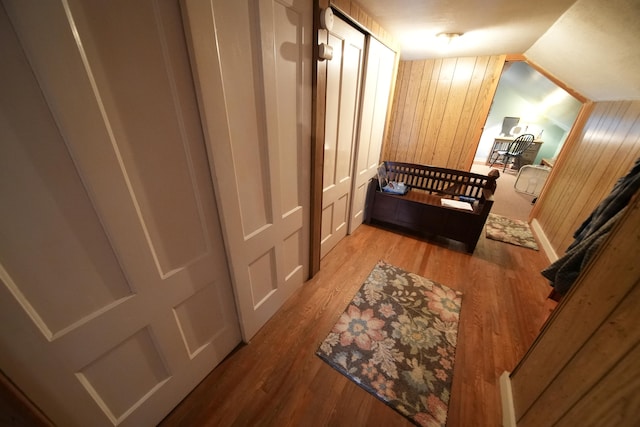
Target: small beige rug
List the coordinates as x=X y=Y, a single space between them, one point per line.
x=512 y=231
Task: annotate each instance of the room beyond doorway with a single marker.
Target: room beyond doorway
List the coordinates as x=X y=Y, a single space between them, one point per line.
x=539 y=106
x=506 y=200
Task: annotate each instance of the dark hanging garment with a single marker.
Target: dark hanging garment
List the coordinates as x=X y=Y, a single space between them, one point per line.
x=590 y=235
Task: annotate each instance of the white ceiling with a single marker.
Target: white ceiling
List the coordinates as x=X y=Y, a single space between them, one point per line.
x=489 y=27
x=590 y=45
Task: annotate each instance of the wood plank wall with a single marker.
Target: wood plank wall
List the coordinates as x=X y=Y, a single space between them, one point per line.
x=360 y=17
x=439 y=109
x=584 y=367
x=594 y=158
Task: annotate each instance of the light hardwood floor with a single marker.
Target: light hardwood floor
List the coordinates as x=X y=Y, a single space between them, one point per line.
x=277 y=380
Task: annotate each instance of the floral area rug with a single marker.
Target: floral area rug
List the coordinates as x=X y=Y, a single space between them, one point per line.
x=511 y=231
x=397 y=340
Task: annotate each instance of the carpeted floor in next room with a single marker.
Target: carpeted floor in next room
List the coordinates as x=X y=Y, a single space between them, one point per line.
x=507 y=201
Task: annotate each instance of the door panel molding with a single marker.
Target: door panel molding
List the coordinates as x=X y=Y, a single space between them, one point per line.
x=256 y=113
x=378 y=80
x=342 y=113
x=131 y=348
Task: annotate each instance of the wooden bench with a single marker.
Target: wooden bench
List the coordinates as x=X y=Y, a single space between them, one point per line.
x=421 y=211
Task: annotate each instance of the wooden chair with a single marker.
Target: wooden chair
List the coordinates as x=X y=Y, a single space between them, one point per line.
x=514 y=151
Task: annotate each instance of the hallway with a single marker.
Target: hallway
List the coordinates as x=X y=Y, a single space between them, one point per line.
x=278 y=380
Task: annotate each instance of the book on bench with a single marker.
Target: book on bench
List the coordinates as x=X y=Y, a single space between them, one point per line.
x=457 y=204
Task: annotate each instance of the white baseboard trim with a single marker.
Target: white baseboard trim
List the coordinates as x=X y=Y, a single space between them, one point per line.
x=544 y=242
x=506 y=397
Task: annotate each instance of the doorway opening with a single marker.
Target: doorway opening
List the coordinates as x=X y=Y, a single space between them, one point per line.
x=525 y=102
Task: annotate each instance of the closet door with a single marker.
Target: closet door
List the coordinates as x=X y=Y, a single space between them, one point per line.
x=344 y=77
x=115 y=298
x=255 y=99
x=375 y=104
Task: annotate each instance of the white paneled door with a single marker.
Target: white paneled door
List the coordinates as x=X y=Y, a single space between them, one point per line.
x=343 y=83
x=255 y=100
x=375 y=102
x=115 y=297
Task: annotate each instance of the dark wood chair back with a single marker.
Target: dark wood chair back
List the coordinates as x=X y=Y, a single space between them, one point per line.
x=520 y=144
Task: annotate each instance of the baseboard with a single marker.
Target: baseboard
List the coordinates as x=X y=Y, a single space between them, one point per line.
x=544 y=242
x=506 y=397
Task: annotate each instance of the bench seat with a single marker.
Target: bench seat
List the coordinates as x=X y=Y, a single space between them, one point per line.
x=420 y=210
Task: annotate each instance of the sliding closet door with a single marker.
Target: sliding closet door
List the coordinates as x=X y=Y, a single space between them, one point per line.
x=344 y=76
x=115 y=298
x=375 y=104
x=252 y=65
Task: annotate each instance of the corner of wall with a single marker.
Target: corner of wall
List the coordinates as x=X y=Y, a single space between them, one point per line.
x=506 y=400
x=547 y=247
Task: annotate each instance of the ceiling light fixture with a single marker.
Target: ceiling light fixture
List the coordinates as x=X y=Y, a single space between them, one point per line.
x=448 y=37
